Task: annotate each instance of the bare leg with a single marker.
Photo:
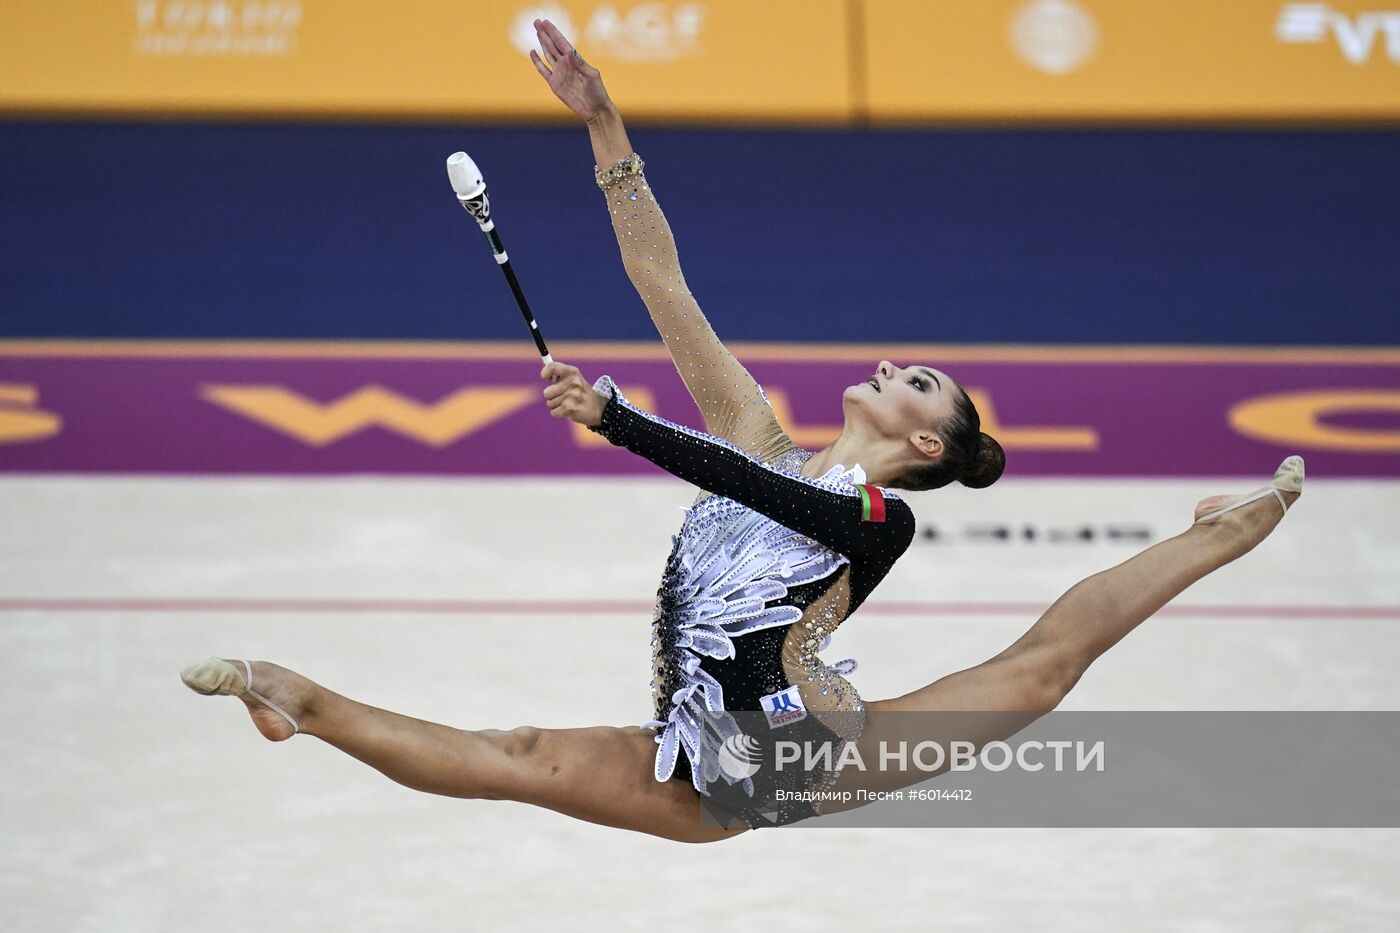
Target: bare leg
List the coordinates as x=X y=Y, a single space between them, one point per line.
x=601 y=774
x=1032 y=676
x=1038 y=670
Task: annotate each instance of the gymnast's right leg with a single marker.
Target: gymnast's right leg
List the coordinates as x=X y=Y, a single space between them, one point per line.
x=602 y=774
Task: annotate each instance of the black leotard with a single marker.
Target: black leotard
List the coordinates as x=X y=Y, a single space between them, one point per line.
x=761 y=572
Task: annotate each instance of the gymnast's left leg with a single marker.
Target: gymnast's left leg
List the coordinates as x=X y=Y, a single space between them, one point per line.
x=1003 y=695
x=602 y=774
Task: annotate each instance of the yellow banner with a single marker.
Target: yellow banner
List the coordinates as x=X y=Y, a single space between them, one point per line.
x=717 y=59
x=1115 y=59
x=696 y=60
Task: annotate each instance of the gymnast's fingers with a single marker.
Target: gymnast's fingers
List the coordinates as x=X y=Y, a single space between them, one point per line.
x=558 y=405
x=557 y=37
x=548 y=46
x=539 y=64
x=556 y=371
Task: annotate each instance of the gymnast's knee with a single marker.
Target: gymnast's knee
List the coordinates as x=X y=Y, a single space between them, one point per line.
x=521 y=742
x=1047 y=674
x=506 y=775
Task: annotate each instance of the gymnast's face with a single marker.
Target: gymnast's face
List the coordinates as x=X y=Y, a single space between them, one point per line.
x=899 y=403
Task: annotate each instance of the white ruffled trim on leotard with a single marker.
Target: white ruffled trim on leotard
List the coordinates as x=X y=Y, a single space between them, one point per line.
x=734 y=562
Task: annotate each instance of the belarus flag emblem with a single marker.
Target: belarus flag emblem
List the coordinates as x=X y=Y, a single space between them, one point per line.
x=872 y=503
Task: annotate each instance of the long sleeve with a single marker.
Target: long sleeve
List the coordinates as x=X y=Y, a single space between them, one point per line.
x=834 y=514
x=731 y=401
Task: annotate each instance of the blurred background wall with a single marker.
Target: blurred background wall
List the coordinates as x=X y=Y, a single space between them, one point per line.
x=865 y=172
x=835 y=61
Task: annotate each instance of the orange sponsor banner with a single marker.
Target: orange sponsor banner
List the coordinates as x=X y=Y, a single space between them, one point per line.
x=1110 y=59
x=715 y=59
x=825 y=61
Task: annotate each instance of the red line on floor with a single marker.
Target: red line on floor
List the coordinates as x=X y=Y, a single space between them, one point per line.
x=568 y=607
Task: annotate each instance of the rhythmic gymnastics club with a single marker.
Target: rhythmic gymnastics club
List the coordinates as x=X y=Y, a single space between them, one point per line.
x=471 y=193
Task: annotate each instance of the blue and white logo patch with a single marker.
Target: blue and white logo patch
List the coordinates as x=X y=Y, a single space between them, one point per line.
x=784 y=707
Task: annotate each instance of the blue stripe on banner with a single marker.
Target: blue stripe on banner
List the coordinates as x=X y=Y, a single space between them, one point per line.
x=292 y=231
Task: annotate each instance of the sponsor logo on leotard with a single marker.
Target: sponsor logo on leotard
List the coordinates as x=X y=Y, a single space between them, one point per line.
x=784 y=707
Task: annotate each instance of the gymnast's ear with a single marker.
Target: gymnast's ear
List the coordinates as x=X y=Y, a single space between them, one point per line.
x=927 y=443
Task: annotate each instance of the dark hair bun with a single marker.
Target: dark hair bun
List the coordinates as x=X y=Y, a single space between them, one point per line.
x=986 y=469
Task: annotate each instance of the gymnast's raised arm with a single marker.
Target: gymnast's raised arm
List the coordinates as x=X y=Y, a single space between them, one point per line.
x=730 y=400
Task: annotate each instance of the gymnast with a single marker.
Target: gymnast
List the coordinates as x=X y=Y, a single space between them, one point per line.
x=779 y=549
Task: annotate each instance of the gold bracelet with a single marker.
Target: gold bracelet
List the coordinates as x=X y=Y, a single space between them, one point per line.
x=620 y=170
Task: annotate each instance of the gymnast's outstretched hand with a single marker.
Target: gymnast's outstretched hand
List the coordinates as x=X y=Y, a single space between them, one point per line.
x=570 y=396
x=575 y=82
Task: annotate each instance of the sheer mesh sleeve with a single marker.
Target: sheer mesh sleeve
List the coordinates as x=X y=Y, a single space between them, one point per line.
x=731 y=402
x=834 y=514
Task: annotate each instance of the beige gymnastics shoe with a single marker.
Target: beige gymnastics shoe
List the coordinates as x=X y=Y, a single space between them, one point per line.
x=217 y=677
x=1287 y=478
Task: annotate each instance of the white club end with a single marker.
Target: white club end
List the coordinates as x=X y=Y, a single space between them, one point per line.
x=465 y=176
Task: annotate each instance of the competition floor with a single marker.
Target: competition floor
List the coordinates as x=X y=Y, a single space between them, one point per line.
x=129 y=803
